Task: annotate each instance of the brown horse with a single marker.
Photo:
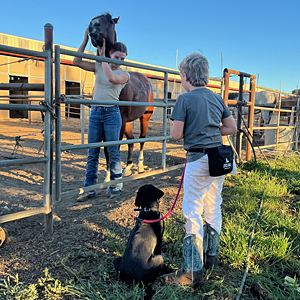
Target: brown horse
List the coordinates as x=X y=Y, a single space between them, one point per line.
x=137 y=89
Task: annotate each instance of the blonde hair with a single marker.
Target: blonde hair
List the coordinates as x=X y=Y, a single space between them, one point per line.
x=196 y=68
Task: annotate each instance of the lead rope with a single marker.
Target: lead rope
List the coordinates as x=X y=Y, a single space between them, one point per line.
x=171 y=209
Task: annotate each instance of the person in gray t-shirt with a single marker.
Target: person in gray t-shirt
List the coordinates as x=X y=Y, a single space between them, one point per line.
x=197 y=116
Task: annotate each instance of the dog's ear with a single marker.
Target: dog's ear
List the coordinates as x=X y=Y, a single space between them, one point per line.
x=147 y=191
x=158 y=193
x=138 y=199
x=139 y=196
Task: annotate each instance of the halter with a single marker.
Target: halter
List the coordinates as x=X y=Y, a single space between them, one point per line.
x=171 y=209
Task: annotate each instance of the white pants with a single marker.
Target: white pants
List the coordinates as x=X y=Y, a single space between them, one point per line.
x=202 y=193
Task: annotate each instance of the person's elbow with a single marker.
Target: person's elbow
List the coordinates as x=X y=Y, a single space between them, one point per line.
x=234 y=130
x=231 y=130
x=229 y=126
x=176 y=136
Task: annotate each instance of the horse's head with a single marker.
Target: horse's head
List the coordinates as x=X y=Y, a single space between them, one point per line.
x=103 y=27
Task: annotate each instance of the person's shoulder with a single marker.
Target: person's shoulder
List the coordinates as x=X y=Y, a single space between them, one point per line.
x=213 y=94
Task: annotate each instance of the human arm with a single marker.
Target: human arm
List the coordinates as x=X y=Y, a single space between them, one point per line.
x=177 y=130
x=83 y=64
x=119 y=78
x=228 y=126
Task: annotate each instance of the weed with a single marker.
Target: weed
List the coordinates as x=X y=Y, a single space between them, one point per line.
x=274 y=254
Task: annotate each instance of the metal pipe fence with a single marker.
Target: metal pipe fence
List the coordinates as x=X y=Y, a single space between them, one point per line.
x=164 y=104
x=46 y=209
x=281 y=109
x=48 y=108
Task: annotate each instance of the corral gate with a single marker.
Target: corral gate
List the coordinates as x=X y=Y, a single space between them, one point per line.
x=45 y=107
x=165 y=104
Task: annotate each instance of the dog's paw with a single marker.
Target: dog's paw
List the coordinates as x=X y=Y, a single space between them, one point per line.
x=117 y=263
x=166 y=270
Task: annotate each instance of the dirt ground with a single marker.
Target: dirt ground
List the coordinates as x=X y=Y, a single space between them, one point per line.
x=79 y=228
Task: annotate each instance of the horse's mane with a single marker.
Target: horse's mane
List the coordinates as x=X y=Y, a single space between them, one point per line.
x=103 y=15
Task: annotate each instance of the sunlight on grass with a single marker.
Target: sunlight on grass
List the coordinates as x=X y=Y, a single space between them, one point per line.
x=275 y=252
x=115 y=242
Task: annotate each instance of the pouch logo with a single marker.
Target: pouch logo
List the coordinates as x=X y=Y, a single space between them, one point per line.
x=227 y=164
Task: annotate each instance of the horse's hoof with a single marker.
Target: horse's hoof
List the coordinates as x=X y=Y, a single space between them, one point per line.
x=141 y=169
x=107 y=178
x=2 y=236
x=127 y=172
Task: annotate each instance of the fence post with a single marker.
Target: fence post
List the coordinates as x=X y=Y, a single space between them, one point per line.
x=239 y=117
x=48 y=36
x=57 y=126
x=250 y=117
x=297 y=124
x=165 y=121
x=278 y=115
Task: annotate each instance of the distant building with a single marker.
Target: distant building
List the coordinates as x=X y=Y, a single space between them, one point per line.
x=15 y=68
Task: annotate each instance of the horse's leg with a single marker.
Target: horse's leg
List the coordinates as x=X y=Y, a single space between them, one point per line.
x=107 y=178
x=144 y=124
x=129 y=135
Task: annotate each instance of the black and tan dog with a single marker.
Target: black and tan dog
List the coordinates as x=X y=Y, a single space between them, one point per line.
x=142 y=260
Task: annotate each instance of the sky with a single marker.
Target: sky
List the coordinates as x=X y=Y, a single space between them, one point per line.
x=257 y=37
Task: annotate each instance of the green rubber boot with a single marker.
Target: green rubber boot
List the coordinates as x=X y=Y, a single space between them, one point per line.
x=211 y=242
x=191 y=273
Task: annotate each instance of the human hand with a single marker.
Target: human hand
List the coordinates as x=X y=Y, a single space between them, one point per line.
x=86 y=35
x=101 y=50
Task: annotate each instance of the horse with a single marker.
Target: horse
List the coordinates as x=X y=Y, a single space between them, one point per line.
x=289 y=103
x=264 y=98
x=138 y=89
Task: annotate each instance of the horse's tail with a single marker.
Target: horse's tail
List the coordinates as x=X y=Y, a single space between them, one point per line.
x=150 y=109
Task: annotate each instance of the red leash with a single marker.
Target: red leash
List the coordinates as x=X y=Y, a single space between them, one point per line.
x=169 y=212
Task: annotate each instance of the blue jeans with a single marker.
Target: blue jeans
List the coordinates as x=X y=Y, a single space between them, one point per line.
x=104 y=122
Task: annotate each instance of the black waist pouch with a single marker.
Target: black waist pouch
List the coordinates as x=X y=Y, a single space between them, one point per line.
x=220 y=160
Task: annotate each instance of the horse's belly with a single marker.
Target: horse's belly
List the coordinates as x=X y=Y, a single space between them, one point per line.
x=132 y=113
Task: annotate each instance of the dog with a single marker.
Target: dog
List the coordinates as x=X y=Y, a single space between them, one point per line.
x=142 y=260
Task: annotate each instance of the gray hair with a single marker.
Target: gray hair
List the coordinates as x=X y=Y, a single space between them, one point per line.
x=196 y=68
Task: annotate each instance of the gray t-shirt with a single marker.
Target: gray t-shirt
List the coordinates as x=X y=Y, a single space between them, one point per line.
x=202 y=111
x=105 y=90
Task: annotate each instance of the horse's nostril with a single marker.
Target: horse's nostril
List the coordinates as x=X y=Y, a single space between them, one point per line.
x=93 y=34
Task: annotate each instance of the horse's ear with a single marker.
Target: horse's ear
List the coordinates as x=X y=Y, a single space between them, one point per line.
x=116 y=20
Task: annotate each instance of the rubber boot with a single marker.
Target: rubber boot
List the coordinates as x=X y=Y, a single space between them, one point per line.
x=191 y=273
x=211 y=242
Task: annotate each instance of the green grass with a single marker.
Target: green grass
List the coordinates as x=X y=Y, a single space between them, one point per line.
x=275 y=252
